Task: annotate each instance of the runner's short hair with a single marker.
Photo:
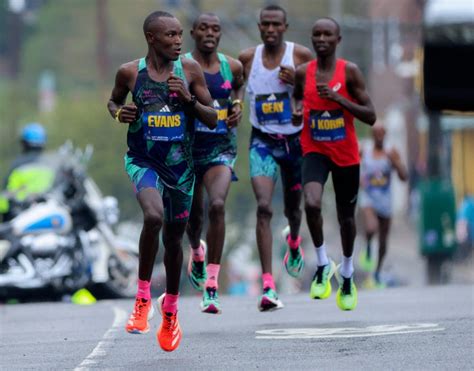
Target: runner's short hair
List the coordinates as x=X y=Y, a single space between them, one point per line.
x=155 y=15
x=333 y=21
x=196 y=20
x=273 y=7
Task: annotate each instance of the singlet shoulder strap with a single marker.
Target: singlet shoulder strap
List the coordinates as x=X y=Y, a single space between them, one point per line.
x=178 y=69
x=290 y=49
x=141 y=64
x=257 y=57
x=226 y=71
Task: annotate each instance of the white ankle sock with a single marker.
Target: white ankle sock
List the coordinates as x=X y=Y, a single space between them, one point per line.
x=322 y=255
x=347 y=267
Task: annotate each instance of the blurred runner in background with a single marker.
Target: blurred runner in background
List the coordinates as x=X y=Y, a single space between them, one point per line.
x=375 y=202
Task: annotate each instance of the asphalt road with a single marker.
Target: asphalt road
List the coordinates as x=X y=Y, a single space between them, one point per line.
x=405 y=328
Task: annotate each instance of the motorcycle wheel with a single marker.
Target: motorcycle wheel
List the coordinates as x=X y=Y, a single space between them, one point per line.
x=123 y=276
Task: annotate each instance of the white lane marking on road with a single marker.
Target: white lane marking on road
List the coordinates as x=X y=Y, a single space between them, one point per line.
x=348 y=332
x=100 y=350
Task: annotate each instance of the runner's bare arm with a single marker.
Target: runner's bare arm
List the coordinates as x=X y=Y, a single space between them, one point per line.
x=237 y=83
x=298 y=92
x=362 y=108
x=124 y=81
x=396 y=161
x=246 y=58
x=203 y=108
x=238 y=76
x=301 y=55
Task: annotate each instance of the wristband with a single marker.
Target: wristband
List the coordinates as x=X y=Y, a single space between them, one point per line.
x=191 y=103
x=117 y=114
x=239 y=102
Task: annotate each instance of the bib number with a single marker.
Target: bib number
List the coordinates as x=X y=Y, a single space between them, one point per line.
x=164 y=126
x=379 y=181
x=273 y=109
x=222 y=108
x=327 y=126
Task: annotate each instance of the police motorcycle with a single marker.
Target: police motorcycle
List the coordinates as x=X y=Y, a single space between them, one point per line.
x=65 y=240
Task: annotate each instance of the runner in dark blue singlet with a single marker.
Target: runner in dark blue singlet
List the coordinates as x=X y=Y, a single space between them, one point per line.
x=159 y=159
x=214 y=154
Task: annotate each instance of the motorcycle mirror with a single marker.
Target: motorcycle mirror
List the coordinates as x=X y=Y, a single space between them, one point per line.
x=66 y=148
x=88 y=151
x=78 y=153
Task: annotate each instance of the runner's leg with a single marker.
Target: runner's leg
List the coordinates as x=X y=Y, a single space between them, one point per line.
x=217 y=183
x=384 y=229
x=263 y=189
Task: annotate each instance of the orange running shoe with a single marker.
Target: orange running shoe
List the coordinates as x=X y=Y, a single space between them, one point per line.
x=169 y=333
x=142 y=313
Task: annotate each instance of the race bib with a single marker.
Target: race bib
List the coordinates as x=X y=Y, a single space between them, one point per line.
x=221 y=106
x=379 y=180
x=273 y=109
x=327 y=126
x=164 y=126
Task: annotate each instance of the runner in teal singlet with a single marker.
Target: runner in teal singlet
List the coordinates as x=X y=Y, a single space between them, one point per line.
x=159 y=158
x=214 y=153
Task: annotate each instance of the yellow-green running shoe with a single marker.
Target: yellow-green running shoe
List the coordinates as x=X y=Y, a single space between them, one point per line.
x=321 y=285
x=346 y=296
x=379 y=283
x=366 y=263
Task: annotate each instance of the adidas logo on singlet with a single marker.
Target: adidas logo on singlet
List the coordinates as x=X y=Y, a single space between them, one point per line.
x=326 y=114
x=216 y=104
x=272 y=97
x=165 y=109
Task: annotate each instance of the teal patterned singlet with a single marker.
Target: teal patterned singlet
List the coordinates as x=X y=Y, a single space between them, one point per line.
x=161 y=137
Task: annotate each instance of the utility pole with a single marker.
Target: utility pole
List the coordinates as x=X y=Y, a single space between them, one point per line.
x=15 y=37
x=14 y=47
x=335 y=9
x=102 y=55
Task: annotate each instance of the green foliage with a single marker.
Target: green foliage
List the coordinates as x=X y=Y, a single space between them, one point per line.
x=65 y=43
x=3 y=26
